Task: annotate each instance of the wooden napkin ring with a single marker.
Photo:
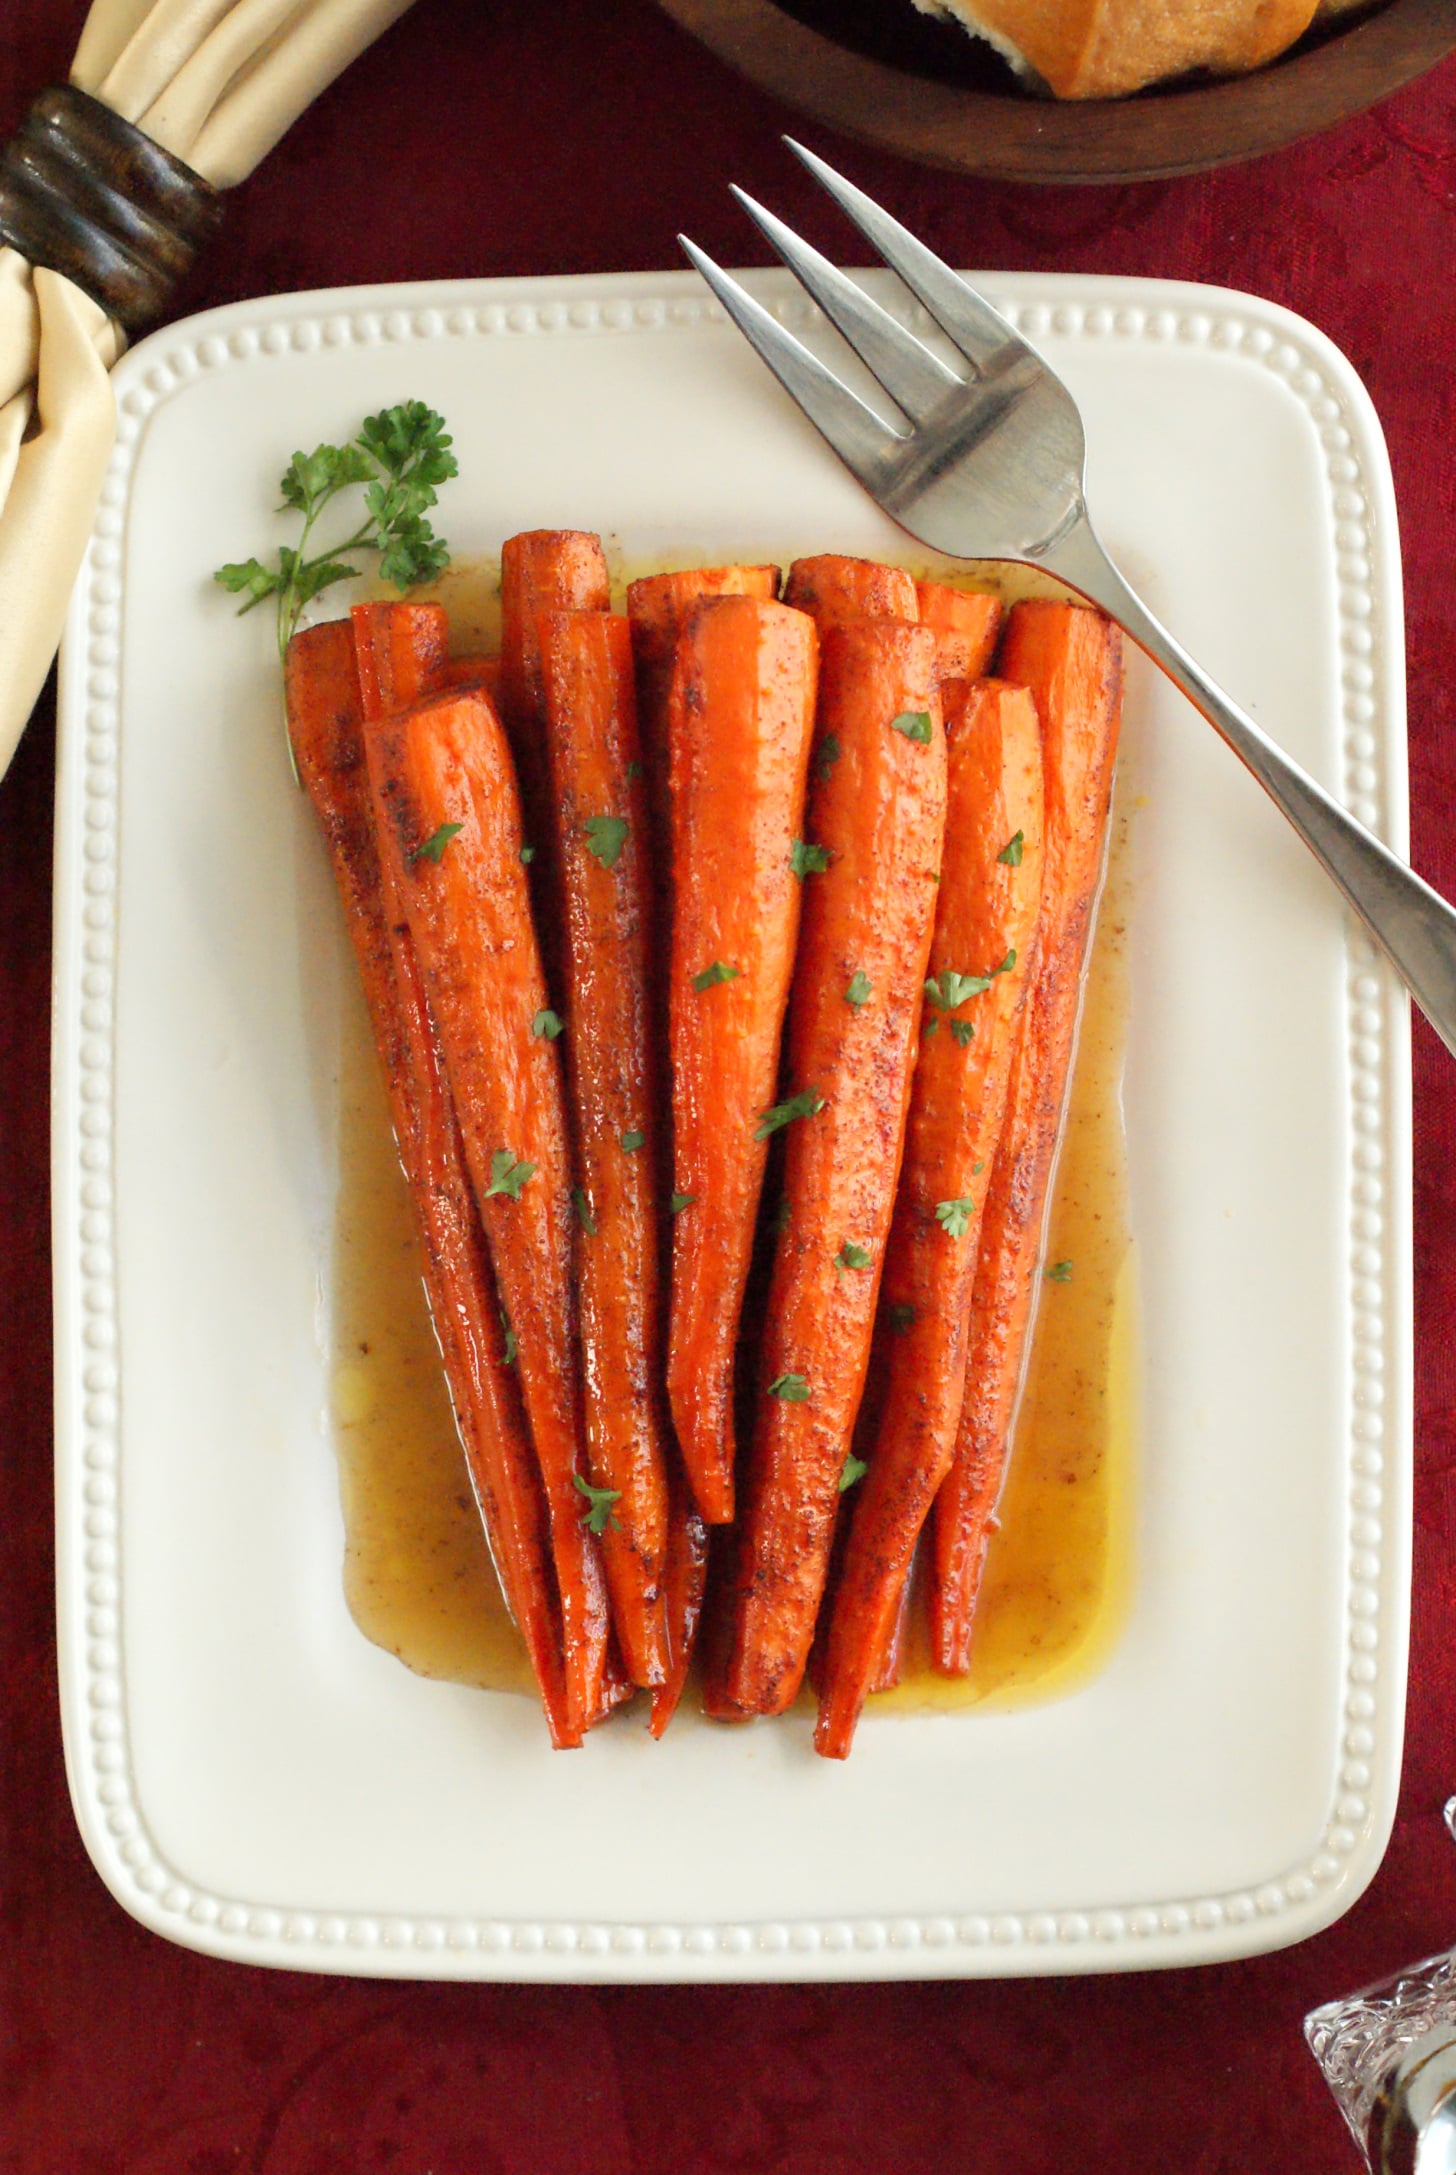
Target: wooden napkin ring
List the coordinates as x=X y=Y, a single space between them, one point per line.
x=88 y=194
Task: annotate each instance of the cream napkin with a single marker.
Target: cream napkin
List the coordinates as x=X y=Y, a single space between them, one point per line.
x=217 y=82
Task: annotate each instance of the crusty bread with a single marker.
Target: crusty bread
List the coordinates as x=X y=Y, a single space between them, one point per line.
x=1104 y=48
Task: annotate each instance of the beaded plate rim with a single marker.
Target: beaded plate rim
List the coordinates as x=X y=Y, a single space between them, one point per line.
x=1296 y=1902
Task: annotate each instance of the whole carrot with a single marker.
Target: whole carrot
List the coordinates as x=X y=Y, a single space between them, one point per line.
x=325 y=709
x=599 y=807
x=981 y=959
x=967 y=623
x=657 y=605
x=740 y=717
x=832 y=588
x=1071 y=659
x=454 y=829
x=876 y=816
x=684 y=1586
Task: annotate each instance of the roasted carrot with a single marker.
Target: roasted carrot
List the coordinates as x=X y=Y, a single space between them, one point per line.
x=325 y=709
x=967 y=623
x=876 y=816
x=981 y=961
x=740 y=718
x=684 y=1585
x=600 y=814
x=473 y=671
x=453 y=829
x=832 y=588
x=1071 y=659
x=657 y=605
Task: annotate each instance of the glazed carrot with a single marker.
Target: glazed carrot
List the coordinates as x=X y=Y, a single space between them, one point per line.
x=684 y=1584
x=876 y=815
x=740 y=717
x=831 y=589
x=967 y=623
x=453 y=829
x=981 y=959
x=1071 y=659
x=473 y=671
x=657 y=605
x=600 y=812
x=542 y=570
x=325 y=707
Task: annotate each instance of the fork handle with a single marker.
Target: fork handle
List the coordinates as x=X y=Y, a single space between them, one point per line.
x=1412 y=924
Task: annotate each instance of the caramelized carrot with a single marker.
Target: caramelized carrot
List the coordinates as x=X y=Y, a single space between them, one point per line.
x=967 y=623
x=657 y=605
x=600 y=812
x=473 y=671
x=684 y=1585
x=981 y=961
x=1071 y=659
x=325 y=709
x=876 y=814
x=453 y=829
x=831 y=589
x=740 y=717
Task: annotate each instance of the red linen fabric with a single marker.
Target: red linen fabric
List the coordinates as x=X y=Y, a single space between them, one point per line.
x=571 y=135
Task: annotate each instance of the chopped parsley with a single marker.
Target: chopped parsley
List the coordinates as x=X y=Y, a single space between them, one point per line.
x=677 y=1202
x=1060 y=1272
x=851 y=1256
x=599 y=1504
x=807 y=1104
x=963 y=1030
x=507 y=1176
x=859 y=990
x=1011 y=852
x=807 y=860
x=949 y=989
x=954 y=1216
x=853 y=1469
x=914 y=724
x=633 y=1140
x=605 y=838
x=826 y=755
x=433 y=848
x=528 y=854
x=720 y=971
x=900 y=1316
x=511 y=1347
x=792 y=1389
x=547 y=1025
x=584 y=1215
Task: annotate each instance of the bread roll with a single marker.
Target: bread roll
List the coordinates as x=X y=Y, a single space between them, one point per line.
x=1104 y=48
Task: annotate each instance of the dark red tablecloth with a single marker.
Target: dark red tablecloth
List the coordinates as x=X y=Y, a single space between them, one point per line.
x=579 y=135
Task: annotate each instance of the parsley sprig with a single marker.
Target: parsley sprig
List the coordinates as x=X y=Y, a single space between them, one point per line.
x=400 y=457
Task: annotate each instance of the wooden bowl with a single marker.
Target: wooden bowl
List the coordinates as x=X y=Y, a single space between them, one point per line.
x=878 y=70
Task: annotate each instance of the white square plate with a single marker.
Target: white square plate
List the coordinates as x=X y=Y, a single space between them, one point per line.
x=251 y=1776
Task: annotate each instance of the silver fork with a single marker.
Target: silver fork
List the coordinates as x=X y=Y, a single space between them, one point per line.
x=992 y=467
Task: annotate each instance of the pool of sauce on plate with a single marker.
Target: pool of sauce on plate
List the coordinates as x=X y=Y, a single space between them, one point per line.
x=418 y=1577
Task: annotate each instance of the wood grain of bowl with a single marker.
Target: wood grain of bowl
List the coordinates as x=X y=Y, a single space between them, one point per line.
x=878 y=70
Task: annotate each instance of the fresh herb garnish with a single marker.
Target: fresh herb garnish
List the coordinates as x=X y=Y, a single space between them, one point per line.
x=853 y=1469
x=914 y=724
x=1060 y=1272
x=947 y=990
x=782 y=1216
x=400 y=457
x=677 y=1202
x=826 y=755
x=859 y=989
x=528 y=854
x=807 y=860
x=605 y=838
x=507 y=1176
x=851 y=1256
x=963 y=1030
x=632 y=1141
x=806 y=1104
x=720 y=971
x=434 y=847
x=1011 y=852
x=793 y=1389
x=547 y=1025
x=634 y=768
x=599 y=1504
x=584 y=1215
x=954 y=1216
x=512 y=1348
x=900 y=1316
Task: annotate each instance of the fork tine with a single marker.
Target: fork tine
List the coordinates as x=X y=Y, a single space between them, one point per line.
x=978 y=330
x=857 y=435
x=915 y=380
